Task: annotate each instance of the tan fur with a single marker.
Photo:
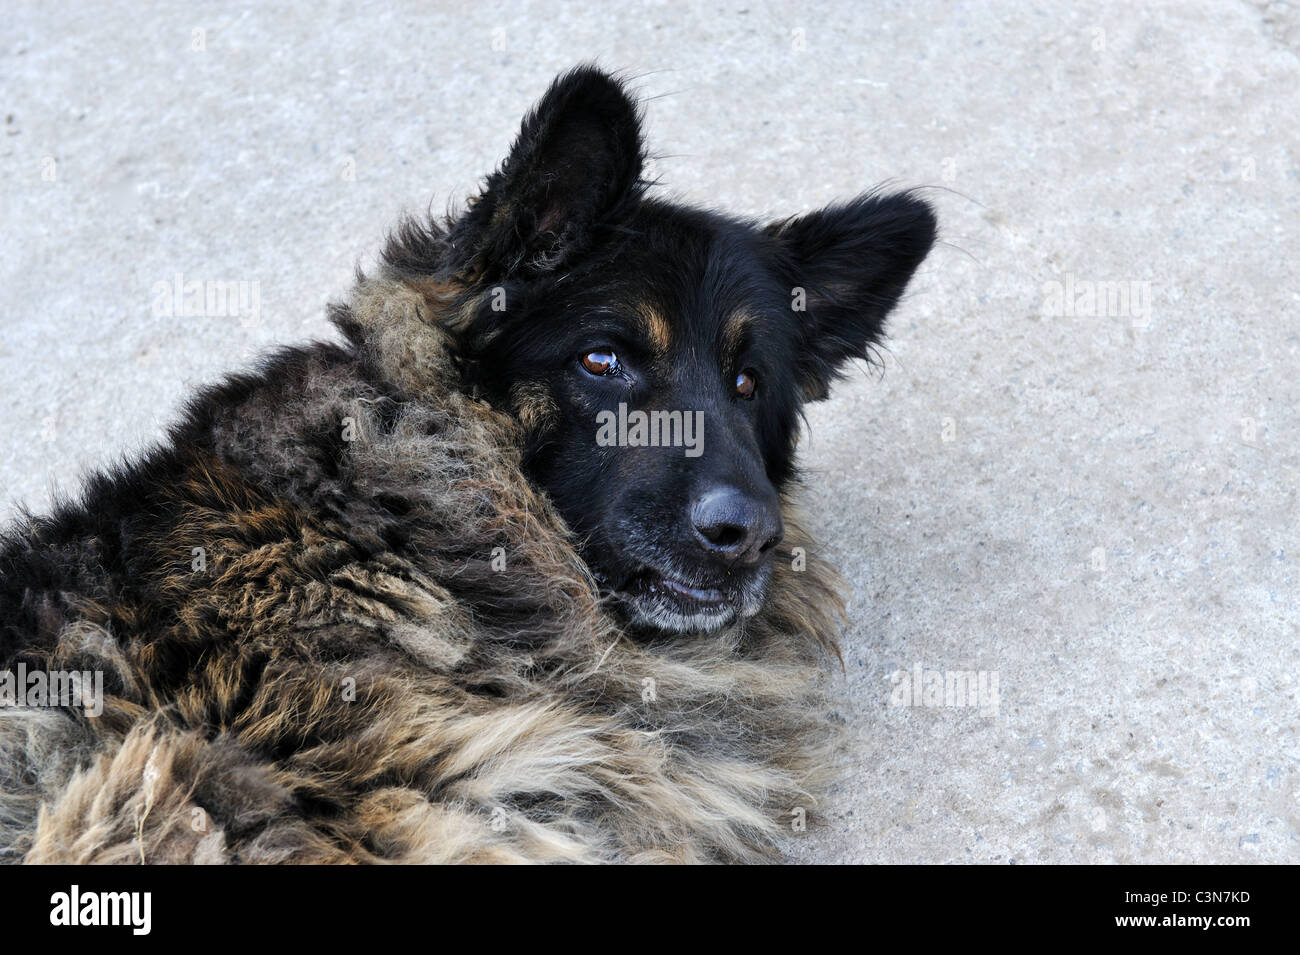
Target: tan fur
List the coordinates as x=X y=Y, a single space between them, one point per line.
x=656 y=327
x=534 y=406
x=734 y=332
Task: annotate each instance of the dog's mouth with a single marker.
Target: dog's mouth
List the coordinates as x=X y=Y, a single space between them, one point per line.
x=672 y=602
x=652 y=583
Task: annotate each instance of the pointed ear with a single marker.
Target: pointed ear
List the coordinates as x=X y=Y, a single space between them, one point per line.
x=852 y=262
x=575 y=167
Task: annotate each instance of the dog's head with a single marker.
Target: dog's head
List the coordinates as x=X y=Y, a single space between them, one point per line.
x=658 y=355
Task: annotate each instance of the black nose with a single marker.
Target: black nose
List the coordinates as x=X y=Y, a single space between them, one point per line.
x=737 y=526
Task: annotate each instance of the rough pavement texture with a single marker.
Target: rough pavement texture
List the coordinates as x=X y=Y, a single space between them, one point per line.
x=1075 y=473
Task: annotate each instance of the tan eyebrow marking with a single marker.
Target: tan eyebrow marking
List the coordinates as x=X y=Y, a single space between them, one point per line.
x=733 y=331
x=656 y=326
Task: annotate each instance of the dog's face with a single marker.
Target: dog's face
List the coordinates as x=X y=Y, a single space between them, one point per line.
x=657 y=356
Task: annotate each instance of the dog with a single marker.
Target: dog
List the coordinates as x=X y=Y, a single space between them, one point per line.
x=510 y=573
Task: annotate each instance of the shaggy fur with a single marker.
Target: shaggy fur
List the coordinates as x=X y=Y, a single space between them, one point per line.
x=340 y=621
x=497 y=715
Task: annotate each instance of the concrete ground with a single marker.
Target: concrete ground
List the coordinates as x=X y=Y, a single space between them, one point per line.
x=1076 y=474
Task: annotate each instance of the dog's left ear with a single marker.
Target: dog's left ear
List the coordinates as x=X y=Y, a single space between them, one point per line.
x=848 y=265
x=575 y=167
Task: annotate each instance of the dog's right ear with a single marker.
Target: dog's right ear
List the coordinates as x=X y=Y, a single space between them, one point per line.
x=575 y=167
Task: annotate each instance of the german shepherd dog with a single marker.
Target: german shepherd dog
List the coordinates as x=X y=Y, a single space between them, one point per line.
x=509 y=574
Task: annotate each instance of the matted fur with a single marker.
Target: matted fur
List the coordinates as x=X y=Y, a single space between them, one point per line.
x=351 y=677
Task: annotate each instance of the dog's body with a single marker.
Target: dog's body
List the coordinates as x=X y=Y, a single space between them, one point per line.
x=395 y=599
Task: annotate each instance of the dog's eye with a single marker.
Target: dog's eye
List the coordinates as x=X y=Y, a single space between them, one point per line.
x=746 y=381
x=602 y=362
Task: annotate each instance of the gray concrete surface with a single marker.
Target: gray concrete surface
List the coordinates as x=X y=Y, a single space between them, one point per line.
x=1094 y=503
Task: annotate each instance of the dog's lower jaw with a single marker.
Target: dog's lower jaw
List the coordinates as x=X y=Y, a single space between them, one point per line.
x=664 y=619
x=669 y=607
